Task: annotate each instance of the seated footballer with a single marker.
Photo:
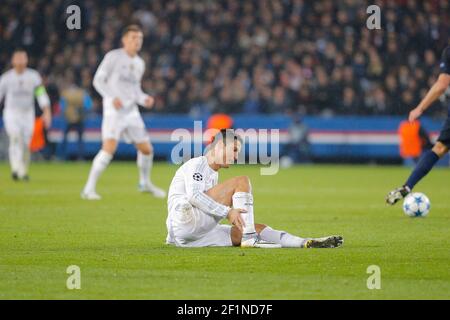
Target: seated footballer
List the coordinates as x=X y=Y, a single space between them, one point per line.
x=197 y=204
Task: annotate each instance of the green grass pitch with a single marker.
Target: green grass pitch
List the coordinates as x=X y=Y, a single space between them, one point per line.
x=118 y=242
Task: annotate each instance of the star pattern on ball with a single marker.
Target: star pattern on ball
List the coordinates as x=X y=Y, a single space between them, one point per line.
x=418 y=200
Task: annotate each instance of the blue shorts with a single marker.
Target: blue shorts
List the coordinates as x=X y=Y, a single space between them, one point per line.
x=444 y=136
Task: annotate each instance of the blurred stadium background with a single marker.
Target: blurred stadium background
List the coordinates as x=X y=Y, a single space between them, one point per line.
x=336 y=90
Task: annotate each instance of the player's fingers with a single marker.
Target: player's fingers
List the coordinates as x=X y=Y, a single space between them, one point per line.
x=47 y=123
x=238 y=225
x=241 y=221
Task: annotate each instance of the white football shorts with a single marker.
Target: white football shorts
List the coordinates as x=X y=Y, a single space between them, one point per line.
x=129 y=127
x=19 y=125
x=190 y=227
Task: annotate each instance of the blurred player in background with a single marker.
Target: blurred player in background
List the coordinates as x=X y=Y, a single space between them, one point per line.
x=118 y=80
x=197 y=203
x=75 y=102
x=20 y=86
x=430 y=157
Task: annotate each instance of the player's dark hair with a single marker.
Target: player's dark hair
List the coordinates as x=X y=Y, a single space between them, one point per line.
x=19 y=50
x=131 y=28
x=226 y=135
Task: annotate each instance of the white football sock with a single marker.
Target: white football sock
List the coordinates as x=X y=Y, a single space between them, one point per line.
x=244 y=200
x=26 y=158
x=145 y=164
x=15 y=153
x=281 y=237
x=101 y=161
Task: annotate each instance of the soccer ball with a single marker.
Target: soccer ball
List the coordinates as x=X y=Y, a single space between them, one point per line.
x=416 y=205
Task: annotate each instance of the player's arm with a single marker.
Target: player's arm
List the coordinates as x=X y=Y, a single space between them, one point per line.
x=2 y=88
x=47 y=116
x=144 y=99
x=198 y=198
x=44 y=102
x=433 y=94
x=102 y=74
x=438 y=87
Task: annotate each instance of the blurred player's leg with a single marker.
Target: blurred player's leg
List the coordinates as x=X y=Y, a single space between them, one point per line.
x=100 y=163
x=12 y=127
x=15 y=155
x=26 y=154
x=424 y=166
x=426 y=163
x=145 y=164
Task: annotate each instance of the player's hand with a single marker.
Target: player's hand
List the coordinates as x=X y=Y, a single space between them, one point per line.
x=47 y=118
x=149 y=102
x=47 y=122
x=415 y=114
x=234 y=216
x=117 y=103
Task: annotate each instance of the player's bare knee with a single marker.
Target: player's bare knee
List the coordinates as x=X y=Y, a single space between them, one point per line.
x=109 y=146
x=145 y=149
x=110 y=150
x=243 y=184
x=440 y=149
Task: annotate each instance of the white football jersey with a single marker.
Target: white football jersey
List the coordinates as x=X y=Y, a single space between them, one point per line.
x=19 y=91
x=119 y=76
x=191 y=181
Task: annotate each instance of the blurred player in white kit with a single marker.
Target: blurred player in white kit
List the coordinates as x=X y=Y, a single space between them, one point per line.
x=20 y=86
x=118 y=80
x=197 y=203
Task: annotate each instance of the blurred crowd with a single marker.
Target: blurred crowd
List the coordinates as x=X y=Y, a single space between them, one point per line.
x=253 y=56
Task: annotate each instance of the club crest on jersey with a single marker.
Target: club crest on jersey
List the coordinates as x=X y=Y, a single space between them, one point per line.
x=197 y=177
